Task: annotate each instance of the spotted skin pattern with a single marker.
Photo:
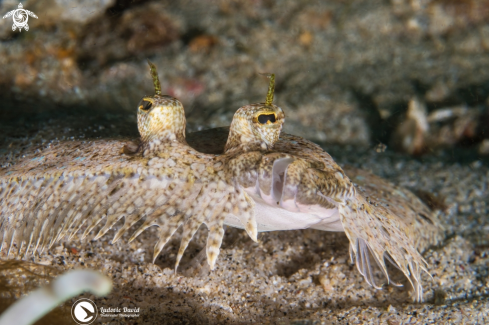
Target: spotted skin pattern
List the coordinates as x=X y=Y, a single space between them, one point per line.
x=77 y=185
x=86 y=185
x=248 y=133
x=80 y=185
x=382 y=221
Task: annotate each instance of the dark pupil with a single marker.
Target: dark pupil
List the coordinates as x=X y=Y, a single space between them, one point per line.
x=144 y=105
x=264 y=118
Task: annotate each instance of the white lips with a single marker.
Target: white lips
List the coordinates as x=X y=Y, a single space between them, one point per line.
x=272 y=213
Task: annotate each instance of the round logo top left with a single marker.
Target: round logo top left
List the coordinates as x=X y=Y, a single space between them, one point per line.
x=20 y=17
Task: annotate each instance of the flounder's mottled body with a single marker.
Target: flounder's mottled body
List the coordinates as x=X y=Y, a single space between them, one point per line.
x=75 y=185
x=259 y=180
x=379 y=218
x=79 y=184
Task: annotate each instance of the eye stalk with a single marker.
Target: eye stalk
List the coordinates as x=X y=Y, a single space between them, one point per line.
x=256 y=126
x=161 y=118
x=145 y=104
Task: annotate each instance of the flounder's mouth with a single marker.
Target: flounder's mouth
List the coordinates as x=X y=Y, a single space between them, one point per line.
x=280 y=209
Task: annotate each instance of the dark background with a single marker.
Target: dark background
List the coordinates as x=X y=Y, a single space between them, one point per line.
x=346 y=70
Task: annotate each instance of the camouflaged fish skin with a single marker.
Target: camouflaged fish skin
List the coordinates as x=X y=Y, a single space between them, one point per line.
x=162 y=180
x=382 y=221
x=77 y=185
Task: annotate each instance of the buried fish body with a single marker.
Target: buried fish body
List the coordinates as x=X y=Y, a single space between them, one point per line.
x=295 y=184
x=78 y=184
x=259 y=179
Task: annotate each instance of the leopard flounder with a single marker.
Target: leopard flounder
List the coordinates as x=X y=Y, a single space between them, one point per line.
x=72 y=186
x=249 y=176
x=296 y=185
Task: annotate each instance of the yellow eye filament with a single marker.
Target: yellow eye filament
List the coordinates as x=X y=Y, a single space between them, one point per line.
x=154 y=75
x=271 y=88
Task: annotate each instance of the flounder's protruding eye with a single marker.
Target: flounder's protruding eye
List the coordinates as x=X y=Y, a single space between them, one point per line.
x=144 y=105
x=267 y=118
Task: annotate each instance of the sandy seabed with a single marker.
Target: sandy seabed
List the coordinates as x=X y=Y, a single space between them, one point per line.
x=290 y=277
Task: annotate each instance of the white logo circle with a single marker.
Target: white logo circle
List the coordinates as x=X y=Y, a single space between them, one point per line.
x=20 y=17
x=84 y=311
